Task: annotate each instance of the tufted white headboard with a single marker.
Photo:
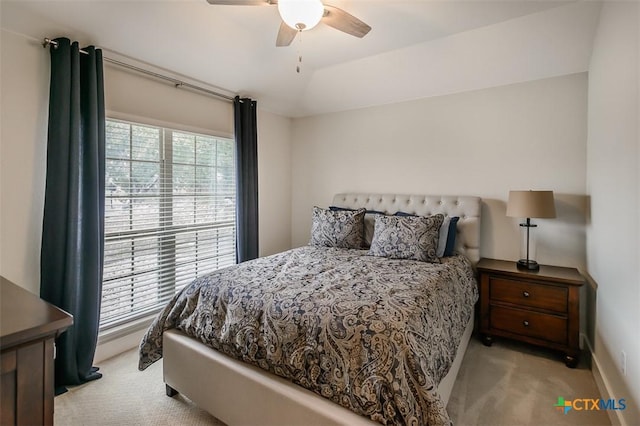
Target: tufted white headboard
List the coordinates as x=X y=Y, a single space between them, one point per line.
x=466 y=208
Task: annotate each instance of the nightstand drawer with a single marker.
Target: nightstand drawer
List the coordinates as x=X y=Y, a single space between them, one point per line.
x=528 y=323
x=524 y=293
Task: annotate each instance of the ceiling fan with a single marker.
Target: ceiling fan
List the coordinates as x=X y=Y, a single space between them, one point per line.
x=302 y=15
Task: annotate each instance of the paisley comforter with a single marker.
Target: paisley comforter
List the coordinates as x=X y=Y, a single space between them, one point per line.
x=373 y=334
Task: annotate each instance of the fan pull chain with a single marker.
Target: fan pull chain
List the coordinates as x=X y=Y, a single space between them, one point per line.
x=299 y=53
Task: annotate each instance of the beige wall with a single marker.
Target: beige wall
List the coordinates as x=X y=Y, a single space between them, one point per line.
x=134 y=96
x=23 y=149
x=274 y=182
x=25 y=92
x=613 y=184
x=485 y=143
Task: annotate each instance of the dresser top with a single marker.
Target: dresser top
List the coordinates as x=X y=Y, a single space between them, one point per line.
x=25 y=317
x=545 y=273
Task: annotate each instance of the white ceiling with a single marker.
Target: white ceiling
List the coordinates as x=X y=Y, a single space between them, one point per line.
x=415 y=49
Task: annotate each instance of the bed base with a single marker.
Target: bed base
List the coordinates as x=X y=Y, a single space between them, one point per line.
x=241 y=394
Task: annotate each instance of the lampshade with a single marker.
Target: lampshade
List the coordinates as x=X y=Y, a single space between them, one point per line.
x=537 y=204
x=301 y=15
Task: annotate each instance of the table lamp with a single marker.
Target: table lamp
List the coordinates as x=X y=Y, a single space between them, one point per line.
x=530 y=204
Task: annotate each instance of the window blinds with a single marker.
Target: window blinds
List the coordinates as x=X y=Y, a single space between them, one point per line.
x=169 y=215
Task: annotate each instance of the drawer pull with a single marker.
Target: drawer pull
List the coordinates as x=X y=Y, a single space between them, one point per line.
x=525 y=323
x=525 y=293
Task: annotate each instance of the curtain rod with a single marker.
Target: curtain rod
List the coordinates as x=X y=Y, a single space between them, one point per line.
x=177 y=83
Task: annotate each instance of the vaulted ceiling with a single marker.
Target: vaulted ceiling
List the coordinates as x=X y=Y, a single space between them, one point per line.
x=415 y=49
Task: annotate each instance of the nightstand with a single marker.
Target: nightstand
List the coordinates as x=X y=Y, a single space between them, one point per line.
x=538 y=307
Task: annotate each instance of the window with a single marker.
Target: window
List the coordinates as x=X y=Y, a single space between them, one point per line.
x=169 y=215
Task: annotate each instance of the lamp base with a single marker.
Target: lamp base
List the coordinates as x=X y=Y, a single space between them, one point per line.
x=529 y=265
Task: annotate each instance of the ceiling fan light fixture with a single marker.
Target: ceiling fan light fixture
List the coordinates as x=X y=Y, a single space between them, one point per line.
x=301 y=15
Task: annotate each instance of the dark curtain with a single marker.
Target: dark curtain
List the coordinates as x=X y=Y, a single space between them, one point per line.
x=247 y=178
x=73 y=225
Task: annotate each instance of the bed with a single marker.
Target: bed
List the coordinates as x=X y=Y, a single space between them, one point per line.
x=363 y=356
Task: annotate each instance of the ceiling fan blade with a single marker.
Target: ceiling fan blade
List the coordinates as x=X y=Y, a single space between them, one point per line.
x=286 y=34
x=345 y=22
x=243 y=2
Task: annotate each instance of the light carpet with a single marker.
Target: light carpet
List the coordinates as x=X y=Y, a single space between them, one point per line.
x=506 y=384
x=126 y=396
x=511 y=383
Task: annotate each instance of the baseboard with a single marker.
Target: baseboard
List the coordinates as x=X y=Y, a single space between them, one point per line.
x=113 y=347
x=615 y=416
x=121 y=339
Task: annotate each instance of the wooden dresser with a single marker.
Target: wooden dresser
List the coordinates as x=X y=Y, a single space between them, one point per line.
x=28 y=327
x=539 y=307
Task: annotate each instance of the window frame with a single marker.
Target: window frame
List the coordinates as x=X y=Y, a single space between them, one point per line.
x=166 y=243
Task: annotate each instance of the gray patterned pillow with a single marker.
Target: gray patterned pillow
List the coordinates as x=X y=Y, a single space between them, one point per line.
x=343 y=229
x=407 y=237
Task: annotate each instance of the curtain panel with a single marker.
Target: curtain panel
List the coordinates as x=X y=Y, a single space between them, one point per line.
x=73 y=225
x=246 y=132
